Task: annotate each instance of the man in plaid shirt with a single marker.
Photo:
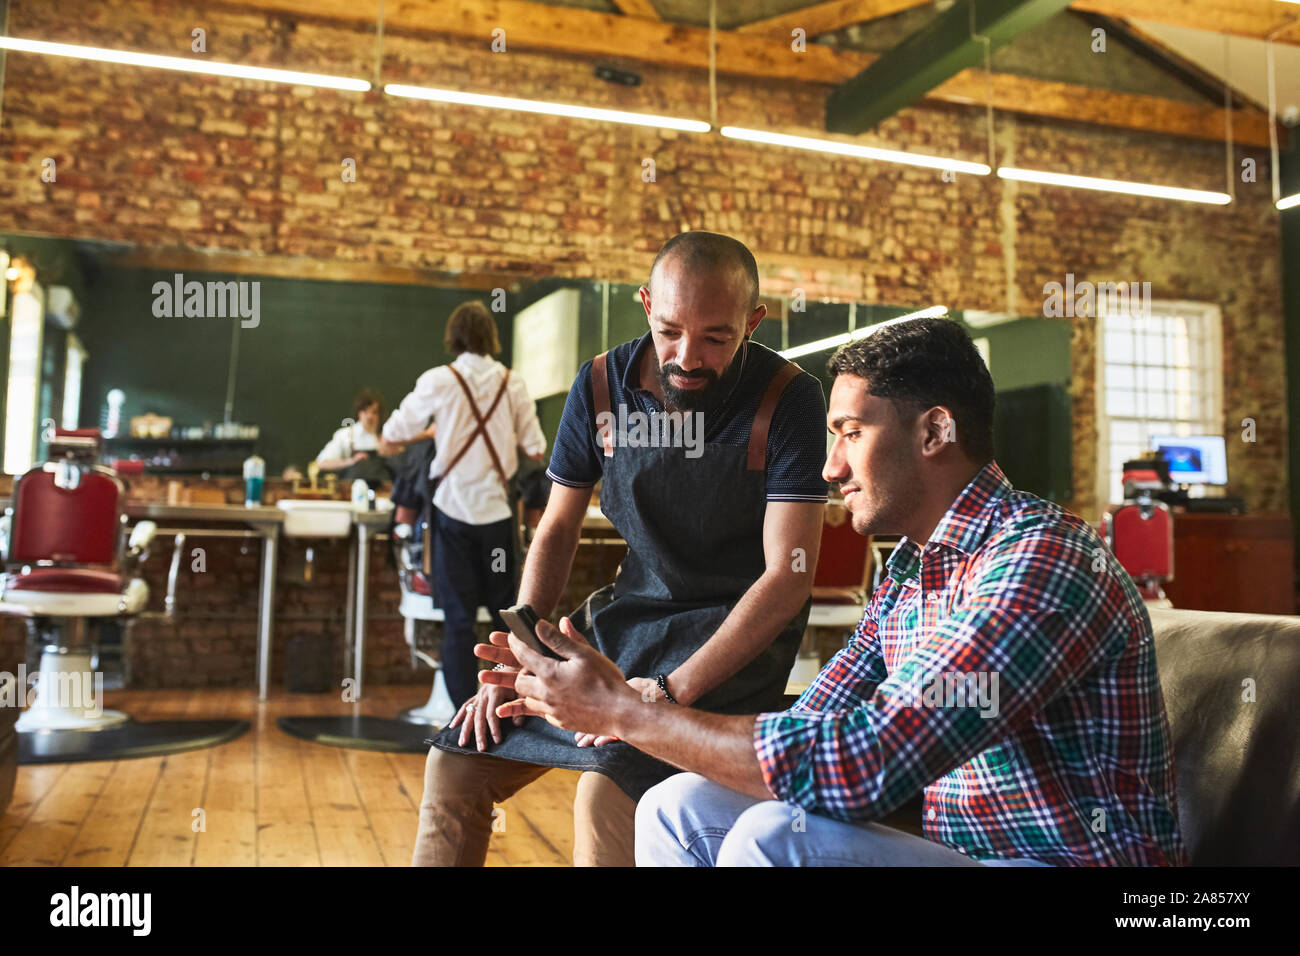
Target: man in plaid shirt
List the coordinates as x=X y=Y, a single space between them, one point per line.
x=1006 y=667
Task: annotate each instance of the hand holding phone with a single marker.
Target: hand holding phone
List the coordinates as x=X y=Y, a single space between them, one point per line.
x=522 y=621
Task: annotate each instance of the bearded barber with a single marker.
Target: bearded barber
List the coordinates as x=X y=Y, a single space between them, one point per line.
x=711 y=601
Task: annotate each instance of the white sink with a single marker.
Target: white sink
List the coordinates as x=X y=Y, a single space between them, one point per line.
x=308 y=518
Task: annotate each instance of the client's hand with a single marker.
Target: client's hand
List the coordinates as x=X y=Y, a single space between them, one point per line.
x=498 y=652
x=649 y=692
x=479 y=714
x=592 y=740
x=584 y=689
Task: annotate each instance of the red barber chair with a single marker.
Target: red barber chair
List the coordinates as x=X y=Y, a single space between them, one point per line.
x=1140 y=532
x=65 y=562
x=841 y=585
x=842 y=581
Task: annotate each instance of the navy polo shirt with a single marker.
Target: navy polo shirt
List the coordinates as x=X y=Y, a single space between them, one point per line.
x=796 y=440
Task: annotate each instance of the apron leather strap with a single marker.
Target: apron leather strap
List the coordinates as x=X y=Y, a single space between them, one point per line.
x=600 y=399
x=480 y=428
x=757 y=458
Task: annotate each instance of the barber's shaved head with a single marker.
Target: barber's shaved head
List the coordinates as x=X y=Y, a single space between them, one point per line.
x=701 y=305
x=706 y=252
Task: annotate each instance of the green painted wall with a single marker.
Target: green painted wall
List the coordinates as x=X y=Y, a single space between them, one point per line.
x=1028 y=351
x=317 y=344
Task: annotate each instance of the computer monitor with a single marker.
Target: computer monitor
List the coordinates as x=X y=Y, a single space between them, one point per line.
x=1193 y=459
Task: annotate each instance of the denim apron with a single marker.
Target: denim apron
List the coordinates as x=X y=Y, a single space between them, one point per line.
x=694 y=531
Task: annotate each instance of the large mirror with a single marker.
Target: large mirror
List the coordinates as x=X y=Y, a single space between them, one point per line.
x=191 y=363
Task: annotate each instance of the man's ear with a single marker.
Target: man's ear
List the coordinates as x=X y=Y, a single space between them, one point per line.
x=644 y=293
x=755 y=317
x=940 y=430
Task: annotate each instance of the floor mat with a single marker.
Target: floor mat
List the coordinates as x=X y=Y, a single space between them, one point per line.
x=132 y=739
x=359 y=732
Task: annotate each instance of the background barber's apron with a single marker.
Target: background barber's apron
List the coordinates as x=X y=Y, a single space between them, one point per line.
x=694 y=530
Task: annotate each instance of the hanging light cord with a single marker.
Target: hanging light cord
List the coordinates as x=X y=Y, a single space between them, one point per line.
x=1274 y=158
x=713 y=63
x=4 y=57
x=1272 y=122
x=988 y=83
x=1227 y=121
x=379 y=46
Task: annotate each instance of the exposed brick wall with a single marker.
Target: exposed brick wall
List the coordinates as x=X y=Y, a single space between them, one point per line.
x=197 y=162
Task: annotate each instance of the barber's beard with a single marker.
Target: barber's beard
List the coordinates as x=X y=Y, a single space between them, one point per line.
x=709 y=397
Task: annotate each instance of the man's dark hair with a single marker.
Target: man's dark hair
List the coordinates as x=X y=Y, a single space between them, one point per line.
x=707 y=251
x=365 y=398
x=471 y=329
x=921 y=363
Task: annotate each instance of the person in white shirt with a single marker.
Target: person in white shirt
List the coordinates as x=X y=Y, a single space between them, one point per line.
x=473 y=543
x=358 y=441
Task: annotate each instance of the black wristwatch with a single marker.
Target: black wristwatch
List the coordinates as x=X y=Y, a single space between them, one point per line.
x=662 y=681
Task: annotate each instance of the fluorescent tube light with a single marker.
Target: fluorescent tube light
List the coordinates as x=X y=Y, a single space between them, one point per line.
x=1289 y=202
x=1114 y=186
x=979 y=319
x=835 y=341
x=854 y=149
x=129 y=58
x=540 y=106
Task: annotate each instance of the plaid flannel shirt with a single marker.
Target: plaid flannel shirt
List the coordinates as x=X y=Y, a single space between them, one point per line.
x=1008 y=668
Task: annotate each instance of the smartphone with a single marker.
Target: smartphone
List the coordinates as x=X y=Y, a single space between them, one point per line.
x=522 y=621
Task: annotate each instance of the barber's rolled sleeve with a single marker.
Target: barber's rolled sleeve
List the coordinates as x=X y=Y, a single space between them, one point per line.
x=796 y=443
x=576 y=459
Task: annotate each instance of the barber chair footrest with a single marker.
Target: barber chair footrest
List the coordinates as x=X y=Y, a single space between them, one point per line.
x=437 y=711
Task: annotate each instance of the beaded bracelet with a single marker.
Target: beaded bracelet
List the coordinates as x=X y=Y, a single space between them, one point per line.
x=662 y=681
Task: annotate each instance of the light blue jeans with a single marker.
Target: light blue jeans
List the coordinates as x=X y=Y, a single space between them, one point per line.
x=688 y=820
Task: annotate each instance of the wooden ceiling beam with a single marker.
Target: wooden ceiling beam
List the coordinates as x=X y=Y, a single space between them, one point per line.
x=1053 y=100
x=1166 y=57
x=1253 y=19
x=581 y=32
x=638 y=8
x=828 y=17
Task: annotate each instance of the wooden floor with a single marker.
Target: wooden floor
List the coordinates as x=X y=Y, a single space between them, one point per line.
x=269 y=799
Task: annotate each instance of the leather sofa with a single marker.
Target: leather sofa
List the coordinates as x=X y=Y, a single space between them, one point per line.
x=1232 y=691
x=1236 y=761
